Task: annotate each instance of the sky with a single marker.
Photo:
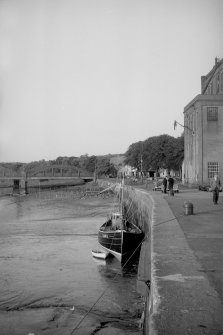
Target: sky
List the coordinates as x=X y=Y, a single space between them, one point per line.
x=94 y=76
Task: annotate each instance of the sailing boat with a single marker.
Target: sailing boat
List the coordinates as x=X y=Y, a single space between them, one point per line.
x=119 y=236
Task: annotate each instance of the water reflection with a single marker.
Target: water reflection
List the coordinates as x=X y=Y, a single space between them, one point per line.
x=19 y=208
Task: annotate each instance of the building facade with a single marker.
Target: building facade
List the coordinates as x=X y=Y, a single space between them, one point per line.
x=203 y=130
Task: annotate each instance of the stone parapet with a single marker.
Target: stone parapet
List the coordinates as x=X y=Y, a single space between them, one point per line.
x=182 y=300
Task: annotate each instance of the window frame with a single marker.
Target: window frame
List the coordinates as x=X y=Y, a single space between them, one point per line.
x=213 y=169
x=212 y=113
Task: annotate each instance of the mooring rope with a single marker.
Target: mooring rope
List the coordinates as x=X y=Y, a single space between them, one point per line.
x=102 y=294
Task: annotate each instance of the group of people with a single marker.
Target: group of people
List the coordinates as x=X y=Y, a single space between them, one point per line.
x=168 y=182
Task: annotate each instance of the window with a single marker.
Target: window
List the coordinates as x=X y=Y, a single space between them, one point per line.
x=213 y=168
x=212 y=113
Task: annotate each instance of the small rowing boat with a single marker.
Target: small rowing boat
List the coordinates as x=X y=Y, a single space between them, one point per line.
x=100 y=254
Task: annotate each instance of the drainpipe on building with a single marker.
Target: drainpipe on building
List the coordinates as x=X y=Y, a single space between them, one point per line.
x=185 y=127
x=202 y=147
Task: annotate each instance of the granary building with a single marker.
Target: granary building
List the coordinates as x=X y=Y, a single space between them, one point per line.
x=203 y=130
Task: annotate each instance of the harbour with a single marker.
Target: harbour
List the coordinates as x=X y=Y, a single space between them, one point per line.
x=50 y=282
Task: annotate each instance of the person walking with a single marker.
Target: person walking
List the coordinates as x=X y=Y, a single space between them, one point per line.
x=215 y=188
x=170 y=184
x=164 y=184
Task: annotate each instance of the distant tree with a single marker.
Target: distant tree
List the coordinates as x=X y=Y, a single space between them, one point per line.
x=72 y=161
x=105 y=168
x=36 y=165
x=91 y=163
x=83 y=160
x=17 y=166
x=134 y=153
x=75 y=161
x=162 y=151
x=177 y=156
x=59 y=160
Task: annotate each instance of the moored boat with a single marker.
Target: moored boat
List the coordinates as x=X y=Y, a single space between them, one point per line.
x=100 y=254
x=119 y=236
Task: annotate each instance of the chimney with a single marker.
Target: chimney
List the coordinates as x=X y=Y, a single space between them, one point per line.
x=203 y=79
x=216 y=60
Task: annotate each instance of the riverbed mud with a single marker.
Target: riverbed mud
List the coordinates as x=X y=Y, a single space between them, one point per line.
x=50 y=283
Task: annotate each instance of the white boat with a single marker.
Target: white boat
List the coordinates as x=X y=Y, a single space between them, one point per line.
x=100 y=254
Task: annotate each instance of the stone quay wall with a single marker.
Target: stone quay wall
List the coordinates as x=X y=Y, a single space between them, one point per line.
x=179 y=296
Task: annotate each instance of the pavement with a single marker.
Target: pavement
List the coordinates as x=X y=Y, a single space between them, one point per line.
x=186 y=258
x=203 y=232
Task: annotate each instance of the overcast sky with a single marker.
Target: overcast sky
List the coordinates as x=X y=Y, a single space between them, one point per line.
x=94 y=76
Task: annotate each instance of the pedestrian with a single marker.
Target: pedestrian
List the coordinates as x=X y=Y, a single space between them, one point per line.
x=164 y=184
x=215 y=188
x=170 y=184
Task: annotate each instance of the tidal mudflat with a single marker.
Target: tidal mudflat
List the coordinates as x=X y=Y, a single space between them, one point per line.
x=50 y=283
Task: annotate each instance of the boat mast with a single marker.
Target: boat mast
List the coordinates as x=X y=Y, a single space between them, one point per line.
x=122 y=191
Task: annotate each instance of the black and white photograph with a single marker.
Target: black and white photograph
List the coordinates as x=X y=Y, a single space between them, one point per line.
x=111 y=167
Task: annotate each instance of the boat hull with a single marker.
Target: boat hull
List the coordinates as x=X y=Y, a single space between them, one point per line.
x=122 y=244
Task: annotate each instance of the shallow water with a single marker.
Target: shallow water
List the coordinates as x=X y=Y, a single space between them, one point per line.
x=50 y=283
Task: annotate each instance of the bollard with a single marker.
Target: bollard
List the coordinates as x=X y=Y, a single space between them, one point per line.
x=188 y=208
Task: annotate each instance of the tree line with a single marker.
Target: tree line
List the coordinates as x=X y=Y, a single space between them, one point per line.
x=156 y=152
x=100 y=165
